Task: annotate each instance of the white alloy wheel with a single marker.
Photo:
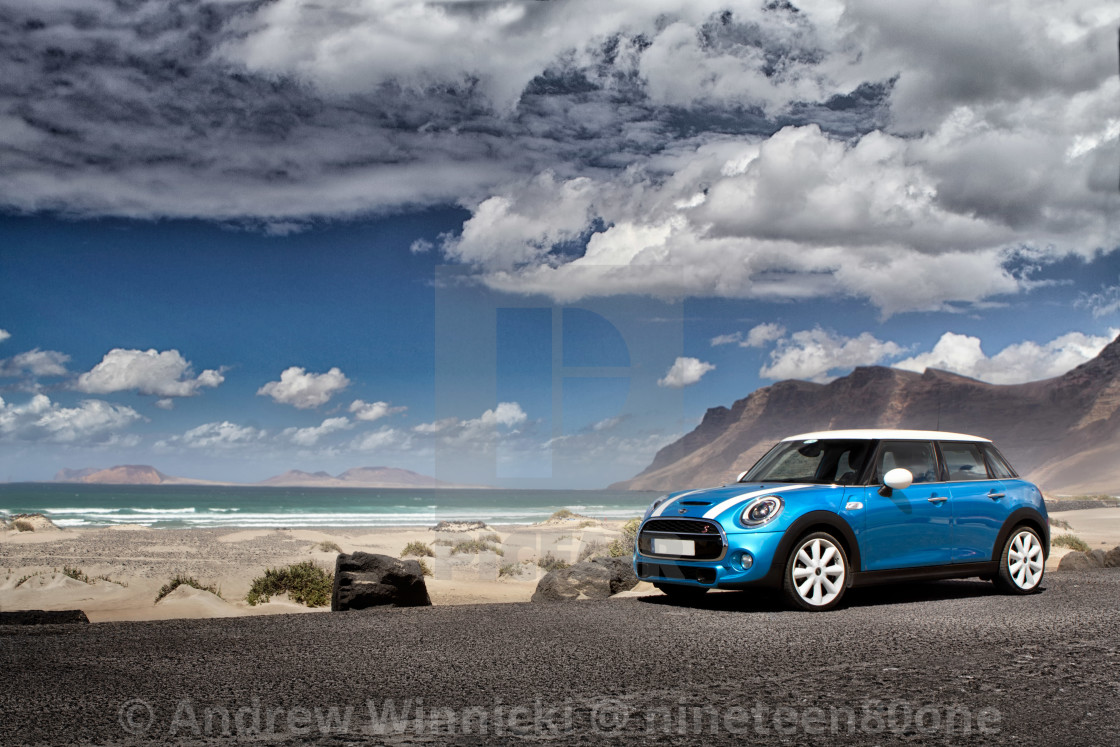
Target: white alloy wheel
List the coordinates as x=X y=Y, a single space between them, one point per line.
x=1023 y=562
x=817 y=572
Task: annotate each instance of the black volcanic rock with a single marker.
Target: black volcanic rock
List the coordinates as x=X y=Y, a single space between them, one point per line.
x=1063 y=432
x=596 y=579
x=363 y=580
x=43 y=617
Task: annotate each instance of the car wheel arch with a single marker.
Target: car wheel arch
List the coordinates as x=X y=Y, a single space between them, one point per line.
x=1024 y=516
x=815 y=521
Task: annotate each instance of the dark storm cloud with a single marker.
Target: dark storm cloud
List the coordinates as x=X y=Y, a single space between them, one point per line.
x=144 y=109
x=774 y=151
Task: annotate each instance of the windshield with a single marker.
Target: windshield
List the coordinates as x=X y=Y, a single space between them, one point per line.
x=823 y=462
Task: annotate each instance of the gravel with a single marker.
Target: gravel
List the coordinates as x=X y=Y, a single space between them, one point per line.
x=915 y=664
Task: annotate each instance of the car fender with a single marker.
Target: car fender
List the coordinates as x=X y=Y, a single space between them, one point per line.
x=1023 y=515
x=798 y=529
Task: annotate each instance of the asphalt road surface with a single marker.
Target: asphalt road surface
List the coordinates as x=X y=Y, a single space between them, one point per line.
x=947 y=662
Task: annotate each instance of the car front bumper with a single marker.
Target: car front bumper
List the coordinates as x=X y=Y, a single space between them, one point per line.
x=730 y=571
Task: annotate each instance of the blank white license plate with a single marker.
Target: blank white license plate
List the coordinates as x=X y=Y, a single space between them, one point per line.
x=673 y=546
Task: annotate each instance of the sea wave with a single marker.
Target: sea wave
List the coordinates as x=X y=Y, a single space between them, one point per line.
x=182 y=518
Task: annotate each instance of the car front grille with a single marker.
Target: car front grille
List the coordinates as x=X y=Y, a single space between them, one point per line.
x=705 y=535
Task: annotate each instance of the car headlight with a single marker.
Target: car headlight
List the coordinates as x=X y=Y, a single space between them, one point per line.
x=761 y=511
x=653 y=506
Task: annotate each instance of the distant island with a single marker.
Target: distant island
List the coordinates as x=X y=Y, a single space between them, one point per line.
x=359 y=477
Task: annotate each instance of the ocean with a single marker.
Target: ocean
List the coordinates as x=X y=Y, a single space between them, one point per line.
x=186 y=506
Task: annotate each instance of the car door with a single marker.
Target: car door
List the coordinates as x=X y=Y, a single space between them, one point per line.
x=908 y=528
x=978 y=501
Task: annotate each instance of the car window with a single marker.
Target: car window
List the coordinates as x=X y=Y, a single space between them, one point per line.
x=964 y=462
x=812 y=461
x=916 y=456
x=997 y=464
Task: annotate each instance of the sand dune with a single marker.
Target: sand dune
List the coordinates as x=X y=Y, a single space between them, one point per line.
x=128 y=566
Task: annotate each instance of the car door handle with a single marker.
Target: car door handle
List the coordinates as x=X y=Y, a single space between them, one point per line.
x=996 y=496
x=937 y=498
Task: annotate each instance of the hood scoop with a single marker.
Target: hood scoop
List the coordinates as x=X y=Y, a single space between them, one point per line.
x=696 y=503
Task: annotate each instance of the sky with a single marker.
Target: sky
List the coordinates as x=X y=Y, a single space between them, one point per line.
x=528 y=243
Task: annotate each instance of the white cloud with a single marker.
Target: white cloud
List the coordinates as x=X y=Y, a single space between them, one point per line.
x=310 y=436
x=220 y=435
x=762 y=335
x=383 y=439
x=4 y=335
x=305 y=390
x=164 y=374
x=35 y=363
x=733 y=338
x=798 y=215
x=371 y=411
x=1104 y=302
x=817 y=354
x=487 y=428
x=506 y=414
x=608 y=423
x=494 y=47
x=40 y=419
x=1015 y=364
x=685 y=372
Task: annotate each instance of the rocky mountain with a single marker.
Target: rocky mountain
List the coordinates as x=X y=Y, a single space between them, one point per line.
x=1064 y=432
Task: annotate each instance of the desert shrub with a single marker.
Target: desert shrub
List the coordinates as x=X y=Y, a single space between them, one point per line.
x=564 y=514
x=23 y=525
x=476 y=547
x=1072 y=541
x=327 y=546
x=1059 y=523
x=181 y=580
x=76 y=574
x=419 y=549
x=305 y=583
x=511 y=569
x=551 y=563
x=587 y=524
x=623 y=546
x=25 y=578
x=425 y=568
x=492 y=537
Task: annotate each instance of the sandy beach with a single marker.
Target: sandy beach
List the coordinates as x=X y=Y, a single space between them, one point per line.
x=127 y=566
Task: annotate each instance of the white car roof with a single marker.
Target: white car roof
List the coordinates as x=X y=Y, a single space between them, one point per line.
x=879 y=433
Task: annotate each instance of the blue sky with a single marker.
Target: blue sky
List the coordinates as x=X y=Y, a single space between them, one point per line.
x=535 y=256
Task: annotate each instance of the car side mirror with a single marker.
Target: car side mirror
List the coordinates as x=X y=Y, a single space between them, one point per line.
x=896 y=479
x=741 y=475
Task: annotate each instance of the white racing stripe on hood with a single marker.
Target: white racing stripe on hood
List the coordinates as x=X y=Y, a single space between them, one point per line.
x=666 y=504
x=719 y=508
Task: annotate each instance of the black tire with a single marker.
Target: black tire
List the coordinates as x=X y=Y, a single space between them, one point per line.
x=819 y=584
x=1022 y=563
x=680 y=591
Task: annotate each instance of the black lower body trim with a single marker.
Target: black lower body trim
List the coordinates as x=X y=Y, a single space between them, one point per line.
x=926 y=573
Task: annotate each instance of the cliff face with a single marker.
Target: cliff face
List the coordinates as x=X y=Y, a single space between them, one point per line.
x=1063 y=432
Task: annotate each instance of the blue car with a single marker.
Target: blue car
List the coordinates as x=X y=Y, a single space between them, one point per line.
x=823 y=512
